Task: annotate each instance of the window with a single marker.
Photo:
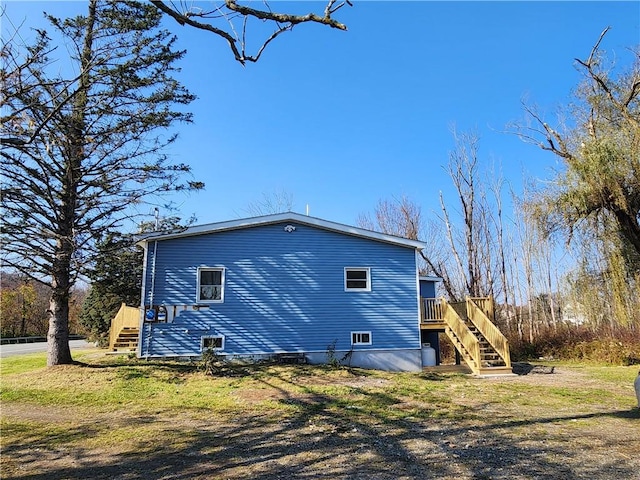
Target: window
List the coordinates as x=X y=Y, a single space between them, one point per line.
x=210 y=285
x=214 y=343
x=360 y=338
x=357 y=279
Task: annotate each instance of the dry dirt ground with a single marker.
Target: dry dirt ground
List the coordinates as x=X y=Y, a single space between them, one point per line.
x=505 y=440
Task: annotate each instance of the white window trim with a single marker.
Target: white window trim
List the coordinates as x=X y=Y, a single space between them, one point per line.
x=220 y=349
x=350 y=269
x=370 y=342
x=222 y=279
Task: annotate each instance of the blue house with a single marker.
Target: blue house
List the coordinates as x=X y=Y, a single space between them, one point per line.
x=284 y=284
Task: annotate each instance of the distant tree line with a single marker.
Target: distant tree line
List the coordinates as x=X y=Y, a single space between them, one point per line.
x=24 y=304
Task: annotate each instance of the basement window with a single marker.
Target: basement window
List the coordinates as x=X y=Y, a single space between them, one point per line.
x=357 y=279
x=213 y=343
x=360 y=338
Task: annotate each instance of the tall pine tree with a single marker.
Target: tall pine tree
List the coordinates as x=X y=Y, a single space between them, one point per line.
x=83 y=131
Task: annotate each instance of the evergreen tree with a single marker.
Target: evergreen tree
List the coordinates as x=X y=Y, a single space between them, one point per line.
x=83 y=131
x=116 y=278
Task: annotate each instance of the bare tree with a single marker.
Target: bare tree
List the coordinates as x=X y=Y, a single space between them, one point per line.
x=226 y=19
x=471 y=242
x=278 y=201
x=498 y=218
x=593 y=201
x=403 y=218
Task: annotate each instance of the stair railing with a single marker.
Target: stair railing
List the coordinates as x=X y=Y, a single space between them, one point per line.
x=477 y=311
x=465 y=336
x=486 y=305
x=127 y=317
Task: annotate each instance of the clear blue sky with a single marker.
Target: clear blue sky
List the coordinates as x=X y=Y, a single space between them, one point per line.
x=343 y=119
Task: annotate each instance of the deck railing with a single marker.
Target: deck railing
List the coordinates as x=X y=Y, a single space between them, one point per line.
x=477 y=313
x=431 y=309
x=127 y=317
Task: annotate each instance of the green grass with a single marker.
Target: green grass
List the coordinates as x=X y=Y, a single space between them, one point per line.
x=22 y=363
x=156 y=416
x=614 y=374
x=122 y=392
x=39 y=434
x=114 y=384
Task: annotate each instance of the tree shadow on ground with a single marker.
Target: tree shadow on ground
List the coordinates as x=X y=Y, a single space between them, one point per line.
x=324 y=440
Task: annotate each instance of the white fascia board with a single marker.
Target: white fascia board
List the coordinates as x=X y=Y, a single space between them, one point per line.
x=430 y=278
x=285 y=217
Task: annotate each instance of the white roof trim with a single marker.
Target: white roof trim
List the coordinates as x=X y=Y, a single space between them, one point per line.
x=430 y=278
x=283 y=217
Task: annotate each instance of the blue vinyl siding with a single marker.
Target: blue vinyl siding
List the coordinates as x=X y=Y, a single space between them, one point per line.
x=428 y=288
x=284 y=292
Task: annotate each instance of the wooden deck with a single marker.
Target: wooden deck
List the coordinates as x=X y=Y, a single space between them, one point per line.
x=470 y=325
x=433 y=325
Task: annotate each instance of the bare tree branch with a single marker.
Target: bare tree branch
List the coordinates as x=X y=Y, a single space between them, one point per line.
x=595 y=48
x=186 y=15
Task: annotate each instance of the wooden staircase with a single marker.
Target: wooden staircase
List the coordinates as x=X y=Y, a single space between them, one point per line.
x=124 y=333
x=470 y=327
x=127 y=340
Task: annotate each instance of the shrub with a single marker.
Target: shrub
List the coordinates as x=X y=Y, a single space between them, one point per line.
x=211 y=363
x=580 y=344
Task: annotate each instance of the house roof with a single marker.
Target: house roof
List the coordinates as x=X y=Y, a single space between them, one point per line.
x=279 y=218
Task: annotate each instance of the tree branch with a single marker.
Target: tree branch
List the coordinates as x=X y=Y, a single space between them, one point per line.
x=284 y=22
x=185 y=19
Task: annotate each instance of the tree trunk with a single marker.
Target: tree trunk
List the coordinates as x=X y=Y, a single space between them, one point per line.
x=630 y=229
x=58 y=351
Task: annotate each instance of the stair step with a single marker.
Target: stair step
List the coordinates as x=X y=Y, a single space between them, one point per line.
x=493 y=363
x=490 y=361
x=496 y=371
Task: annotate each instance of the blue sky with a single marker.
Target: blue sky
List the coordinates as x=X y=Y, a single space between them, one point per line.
x=341 y=120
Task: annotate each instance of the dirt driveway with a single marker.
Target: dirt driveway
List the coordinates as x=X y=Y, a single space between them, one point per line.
x=498 y=428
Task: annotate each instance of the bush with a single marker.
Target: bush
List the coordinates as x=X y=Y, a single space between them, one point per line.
x=211 y=363
x=580 y=344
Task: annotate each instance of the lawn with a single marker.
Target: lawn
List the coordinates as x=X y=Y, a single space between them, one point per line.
x=117 y=417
